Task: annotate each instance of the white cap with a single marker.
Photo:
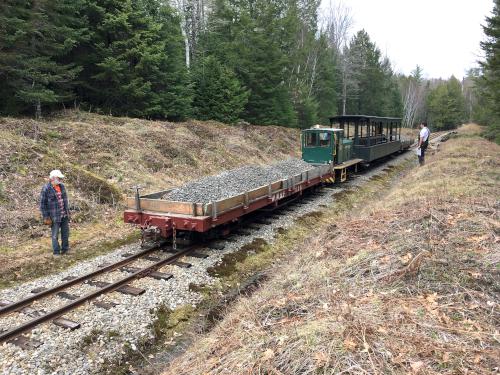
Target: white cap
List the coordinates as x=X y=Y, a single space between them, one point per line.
x=56 y=173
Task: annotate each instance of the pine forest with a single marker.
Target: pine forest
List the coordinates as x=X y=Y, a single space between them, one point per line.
x=278 y=62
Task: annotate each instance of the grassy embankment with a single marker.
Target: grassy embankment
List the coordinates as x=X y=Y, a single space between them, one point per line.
x=103 y=157
x=405 y=284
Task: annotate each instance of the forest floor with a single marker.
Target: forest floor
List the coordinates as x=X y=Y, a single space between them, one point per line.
x=103 y=157
x=406 y=281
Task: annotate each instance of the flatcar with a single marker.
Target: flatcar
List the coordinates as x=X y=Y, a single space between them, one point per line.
x=350 y=141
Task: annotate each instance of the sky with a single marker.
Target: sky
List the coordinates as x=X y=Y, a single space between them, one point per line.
x=442 y=36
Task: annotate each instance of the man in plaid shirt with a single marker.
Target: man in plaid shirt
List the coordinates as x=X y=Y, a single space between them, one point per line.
x=55 y=211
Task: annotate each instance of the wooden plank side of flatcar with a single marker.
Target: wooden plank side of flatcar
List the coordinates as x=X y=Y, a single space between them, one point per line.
x=153 y=203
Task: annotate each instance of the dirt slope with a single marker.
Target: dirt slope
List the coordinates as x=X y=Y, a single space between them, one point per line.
x=409 y=284
x=103 y=157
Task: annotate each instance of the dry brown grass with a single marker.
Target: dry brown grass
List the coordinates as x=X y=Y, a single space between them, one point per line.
x=103 y=158
x=471 y=129
x=407 y=285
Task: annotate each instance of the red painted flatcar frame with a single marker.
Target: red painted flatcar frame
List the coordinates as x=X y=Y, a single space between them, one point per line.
x=166 y=222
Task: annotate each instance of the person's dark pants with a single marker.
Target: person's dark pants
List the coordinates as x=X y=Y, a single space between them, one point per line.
x=63 y=227
x=421 y=158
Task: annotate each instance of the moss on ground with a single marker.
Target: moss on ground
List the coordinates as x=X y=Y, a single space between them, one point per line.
x=25 y=271
x=386 y=281
x=239 y=271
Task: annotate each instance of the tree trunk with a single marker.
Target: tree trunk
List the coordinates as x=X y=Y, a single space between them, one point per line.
x=38 y=110
x=344 y=92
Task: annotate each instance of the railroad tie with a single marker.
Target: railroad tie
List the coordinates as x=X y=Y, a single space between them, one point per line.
x=217 y=246
x=130 y=269
x=160 y=275
x=105 y=305
x=66 y=323
x=130 y=290
x=30 y=311
x=69 y=278
x=27 y=310
x=181 y=264
x=197 y=255
x=39 y=290
x=24 y=342
x=155 y=274
x=97 y=283
x=66 y=295
x=171 y=251
x=125 y=289
x=152 y=258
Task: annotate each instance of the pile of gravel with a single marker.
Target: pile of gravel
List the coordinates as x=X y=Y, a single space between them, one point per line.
x=236 y=181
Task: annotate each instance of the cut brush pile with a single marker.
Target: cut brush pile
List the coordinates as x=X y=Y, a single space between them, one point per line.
x=409 y=284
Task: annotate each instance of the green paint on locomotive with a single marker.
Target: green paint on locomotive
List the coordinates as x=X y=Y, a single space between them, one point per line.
x=325 y=146
x=366 y=138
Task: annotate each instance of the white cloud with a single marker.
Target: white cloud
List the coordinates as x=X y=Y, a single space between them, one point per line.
x=442 y=36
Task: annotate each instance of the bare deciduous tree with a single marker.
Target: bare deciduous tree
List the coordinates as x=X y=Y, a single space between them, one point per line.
x=413 y=92
x=337 y=23
x=193 y=19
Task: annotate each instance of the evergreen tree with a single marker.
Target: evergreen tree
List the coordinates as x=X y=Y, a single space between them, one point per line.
x=392 y=104
x=446 y=105
x=172 y=88
x=368 y=76
x=35 y=39
x=302 y=46
x=246 y=37
x=480 y=107
x=490 y=81
x=307 y=109
x=325 y=88
x=133 y=62
x=372 y=88
x=218 y=95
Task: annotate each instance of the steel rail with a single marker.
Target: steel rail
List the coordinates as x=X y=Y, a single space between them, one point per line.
x=27 y=301
x=28 y=326
x=433 y=136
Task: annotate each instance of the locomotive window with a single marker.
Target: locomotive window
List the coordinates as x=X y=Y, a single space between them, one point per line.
x=311 y=139
x=324 y=139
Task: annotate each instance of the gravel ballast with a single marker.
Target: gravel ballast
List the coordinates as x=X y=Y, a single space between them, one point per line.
x=107 y=335
x=236 y=181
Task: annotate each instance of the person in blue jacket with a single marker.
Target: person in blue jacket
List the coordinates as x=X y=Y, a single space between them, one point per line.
x=55 y=211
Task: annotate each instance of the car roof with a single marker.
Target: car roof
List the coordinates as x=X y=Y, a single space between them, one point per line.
x=363 y=117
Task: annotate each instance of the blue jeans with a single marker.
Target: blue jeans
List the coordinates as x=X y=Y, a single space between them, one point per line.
x=63 y=226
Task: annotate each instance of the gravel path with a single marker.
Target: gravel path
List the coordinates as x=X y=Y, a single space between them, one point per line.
x=236 y=181
x=106 y=334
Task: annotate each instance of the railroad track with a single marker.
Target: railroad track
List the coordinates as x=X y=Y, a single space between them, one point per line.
x=14 y=335
x=433 y=136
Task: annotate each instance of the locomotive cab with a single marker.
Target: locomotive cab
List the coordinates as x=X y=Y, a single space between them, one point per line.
x=325 y=146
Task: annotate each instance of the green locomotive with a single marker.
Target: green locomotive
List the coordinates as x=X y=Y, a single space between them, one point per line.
x=352 y=140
